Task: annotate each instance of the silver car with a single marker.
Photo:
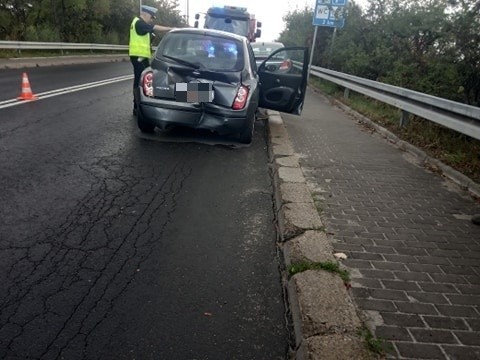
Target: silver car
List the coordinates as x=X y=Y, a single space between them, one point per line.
x=207 y=79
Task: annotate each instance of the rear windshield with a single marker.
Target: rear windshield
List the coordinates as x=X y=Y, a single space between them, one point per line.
x=208 y=52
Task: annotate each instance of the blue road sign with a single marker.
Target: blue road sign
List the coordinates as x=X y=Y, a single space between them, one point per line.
x=329 y=13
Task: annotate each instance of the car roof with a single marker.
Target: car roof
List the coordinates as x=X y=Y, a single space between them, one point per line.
x=210 y=32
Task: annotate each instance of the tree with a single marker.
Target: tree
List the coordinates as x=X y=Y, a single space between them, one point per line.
x=351 y=51
x=14 y=17
x=465 y=25
x=299 y=31
x=431 y=46
x=91 y=21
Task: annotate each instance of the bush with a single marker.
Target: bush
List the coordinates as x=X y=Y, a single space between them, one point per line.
x=42 y=33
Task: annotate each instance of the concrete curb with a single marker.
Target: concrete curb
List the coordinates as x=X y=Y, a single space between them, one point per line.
x=20 y=63
x=324 y=318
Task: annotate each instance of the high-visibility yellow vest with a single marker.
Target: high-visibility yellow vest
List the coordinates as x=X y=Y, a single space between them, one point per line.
x=139 y=45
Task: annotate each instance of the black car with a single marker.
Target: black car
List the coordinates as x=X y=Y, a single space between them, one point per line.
x=208 y=79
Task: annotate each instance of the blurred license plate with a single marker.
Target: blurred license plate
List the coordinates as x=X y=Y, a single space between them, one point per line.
x=194 y=92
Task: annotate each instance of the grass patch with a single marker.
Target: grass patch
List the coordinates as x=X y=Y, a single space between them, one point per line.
x=319 y=208
x=327 y=266
x=328 y=88
x=375 y=345
x=456 y=150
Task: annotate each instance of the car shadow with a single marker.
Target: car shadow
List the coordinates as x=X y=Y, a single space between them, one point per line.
x=186 y=135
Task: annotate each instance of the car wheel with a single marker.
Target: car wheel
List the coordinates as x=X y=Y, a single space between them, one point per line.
x=247 y=133
x=143 y=125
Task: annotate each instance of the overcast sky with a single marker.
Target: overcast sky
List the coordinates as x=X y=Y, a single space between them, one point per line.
x=269 y=12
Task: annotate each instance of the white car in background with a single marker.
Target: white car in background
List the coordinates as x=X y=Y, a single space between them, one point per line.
x=262 y=50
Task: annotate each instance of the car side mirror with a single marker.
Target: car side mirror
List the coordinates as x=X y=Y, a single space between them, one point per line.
x=259 y=24
x=197 y=16
x=258 y=33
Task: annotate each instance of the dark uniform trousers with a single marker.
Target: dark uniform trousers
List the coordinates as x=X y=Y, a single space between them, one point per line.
x=139 y=64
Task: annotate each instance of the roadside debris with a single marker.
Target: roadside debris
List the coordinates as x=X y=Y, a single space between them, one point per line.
x=340 y=256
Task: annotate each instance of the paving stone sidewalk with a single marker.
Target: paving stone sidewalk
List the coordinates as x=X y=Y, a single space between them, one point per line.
x=413 y=252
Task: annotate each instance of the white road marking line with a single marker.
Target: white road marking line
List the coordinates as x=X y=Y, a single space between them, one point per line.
x=44 y=95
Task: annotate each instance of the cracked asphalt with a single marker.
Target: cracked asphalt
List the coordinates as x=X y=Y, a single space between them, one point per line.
x=115 y=246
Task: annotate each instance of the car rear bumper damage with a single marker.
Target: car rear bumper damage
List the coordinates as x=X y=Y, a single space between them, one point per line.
x=214 y=118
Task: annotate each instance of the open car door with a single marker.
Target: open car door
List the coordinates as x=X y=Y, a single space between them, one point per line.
x=283 y=80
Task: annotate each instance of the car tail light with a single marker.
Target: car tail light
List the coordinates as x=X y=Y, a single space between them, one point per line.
x=241 y=98
x=147 y=84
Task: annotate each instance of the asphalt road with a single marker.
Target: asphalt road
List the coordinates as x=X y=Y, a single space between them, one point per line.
x=114 y=245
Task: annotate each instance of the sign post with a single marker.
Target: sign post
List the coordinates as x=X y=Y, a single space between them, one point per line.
x=311 y=53
x=327 y=13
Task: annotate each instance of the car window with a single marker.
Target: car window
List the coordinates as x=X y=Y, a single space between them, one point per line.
x=207 y=52
x=263 y=50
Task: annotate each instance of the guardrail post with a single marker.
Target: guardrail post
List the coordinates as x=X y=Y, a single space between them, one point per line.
x=346 y=93
x=404 y=118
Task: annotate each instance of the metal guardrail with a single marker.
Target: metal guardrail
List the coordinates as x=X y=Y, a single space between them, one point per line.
x=34 y=45
x=453 y=115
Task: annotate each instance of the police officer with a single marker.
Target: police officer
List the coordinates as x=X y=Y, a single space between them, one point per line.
x=141 y=29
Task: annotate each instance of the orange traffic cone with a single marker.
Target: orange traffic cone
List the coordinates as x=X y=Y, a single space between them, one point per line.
x=26 y=89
